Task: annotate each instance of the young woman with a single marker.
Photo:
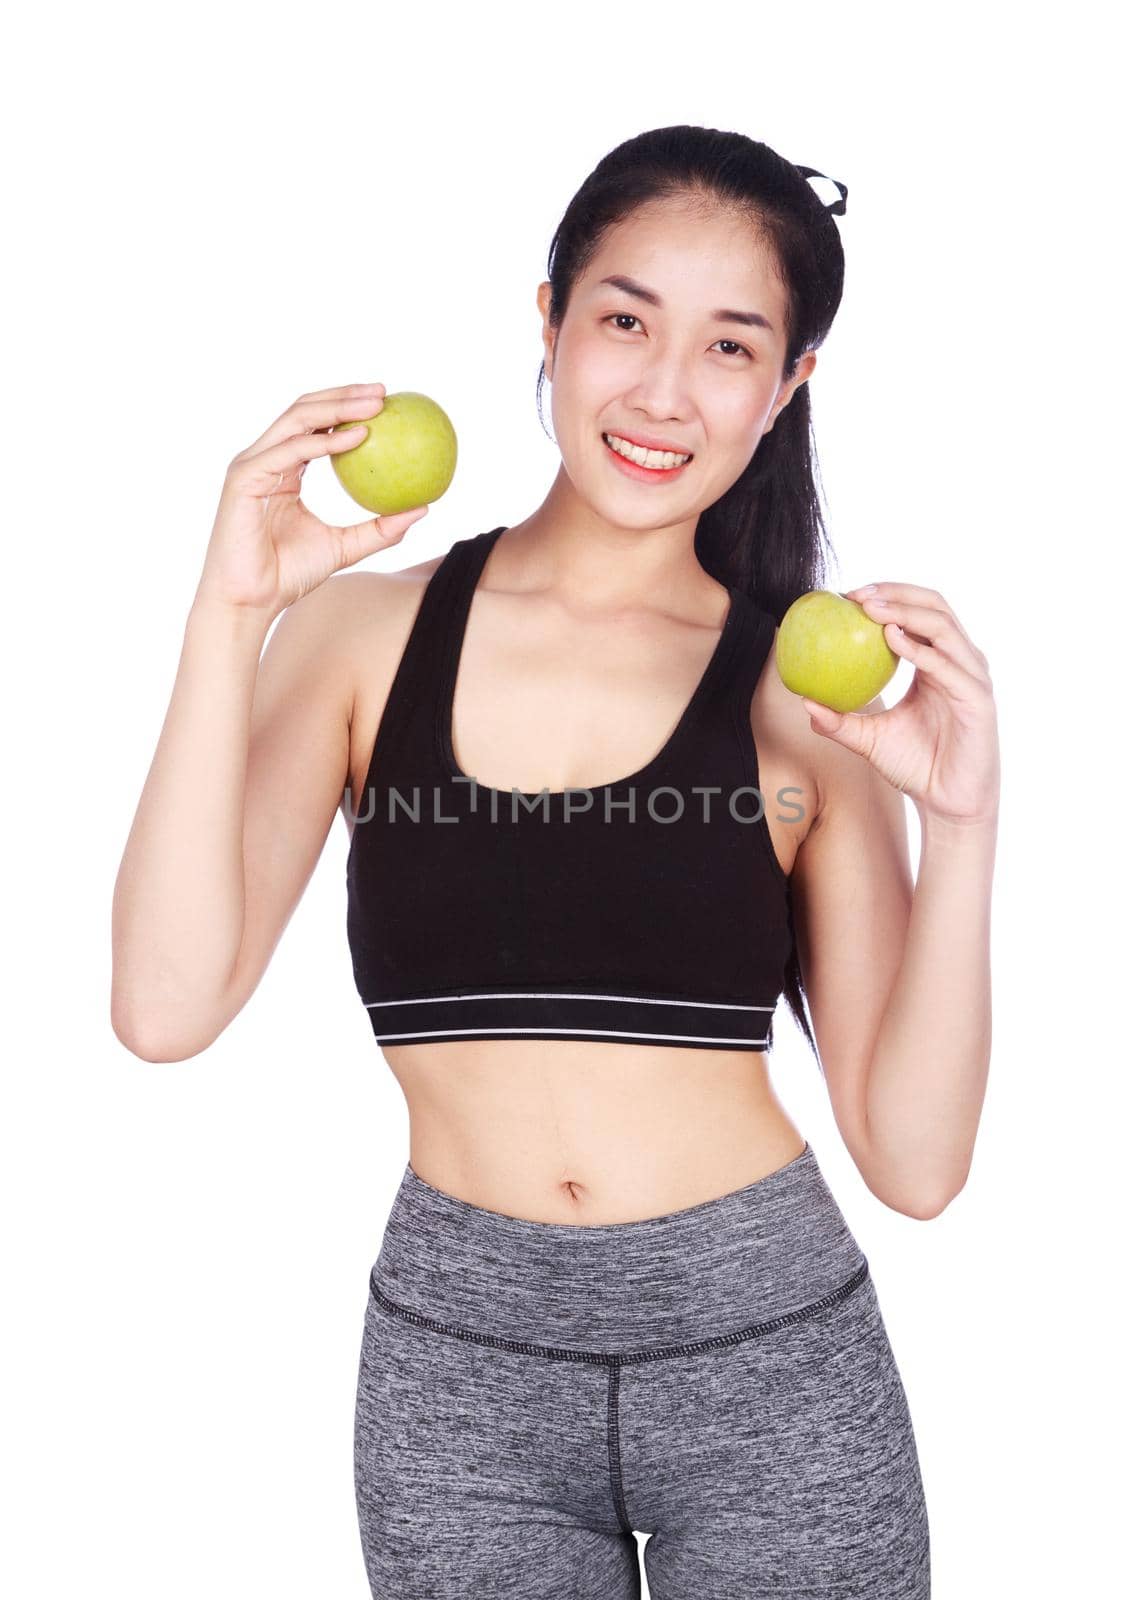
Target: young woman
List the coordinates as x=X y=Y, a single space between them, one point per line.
x=596 y=840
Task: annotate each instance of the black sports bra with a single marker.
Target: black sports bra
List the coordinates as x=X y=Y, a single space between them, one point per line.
x=651 y=910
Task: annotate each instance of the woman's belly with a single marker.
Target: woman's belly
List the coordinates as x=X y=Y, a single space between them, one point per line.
x=572 y=1131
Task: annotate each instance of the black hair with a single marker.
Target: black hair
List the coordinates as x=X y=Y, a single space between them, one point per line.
x=766 y=534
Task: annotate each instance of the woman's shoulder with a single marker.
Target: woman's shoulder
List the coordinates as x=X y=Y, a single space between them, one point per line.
x=359 y=587
x=789 y=761
x=370 y=605
x=371 y=616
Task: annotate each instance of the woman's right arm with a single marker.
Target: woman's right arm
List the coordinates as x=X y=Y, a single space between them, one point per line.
x=252 y=759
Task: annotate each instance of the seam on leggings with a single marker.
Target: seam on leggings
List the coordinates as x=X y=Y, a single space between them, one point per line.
x=618 y=1357
x=617 y=1496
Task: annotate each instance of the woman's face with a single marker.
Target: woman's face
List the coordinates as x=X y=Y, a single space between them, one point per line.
x=672 y=369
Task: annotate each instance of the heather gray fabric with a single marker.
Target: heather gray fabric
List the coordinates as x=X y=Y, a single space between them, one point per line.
x=719 y=1378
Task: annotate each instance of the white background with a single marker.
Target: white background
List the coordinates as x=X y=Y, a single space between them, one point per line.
x=211 y=211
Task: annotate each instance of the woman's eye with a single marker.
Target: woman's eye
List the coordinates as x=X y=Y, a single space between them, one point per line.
x=629 y=316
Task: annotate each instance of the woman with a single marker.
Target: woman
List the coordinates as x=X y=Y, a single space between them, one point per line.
x=615 y=1291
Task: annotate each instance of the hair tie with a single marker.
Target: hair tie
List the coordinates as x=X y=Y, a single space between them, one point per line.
x=837 y=207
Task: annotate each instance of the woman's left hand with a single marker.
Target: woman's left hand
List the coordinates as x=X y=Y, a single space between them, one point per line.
x=939 y=743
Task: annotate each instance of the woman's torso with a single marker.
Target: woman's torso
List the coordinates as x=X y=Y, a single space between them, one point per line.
x=568 y=1130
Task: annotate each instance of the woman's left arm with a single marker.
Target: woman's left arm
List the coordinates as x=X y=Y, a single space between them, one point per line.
x=927 y=1070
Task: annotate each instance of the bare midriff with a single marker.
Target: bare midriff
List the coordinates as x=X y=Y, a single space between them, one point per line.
x=577 y=1130
x=581 y=1132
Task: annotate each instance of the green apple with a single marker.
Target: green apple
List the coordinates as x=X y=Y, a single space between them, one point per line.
x=406 y=459
x=831 y=650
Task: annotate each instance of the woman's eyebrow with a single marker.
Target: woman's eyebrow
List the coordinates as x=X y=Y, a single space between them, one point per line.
x=619 y=280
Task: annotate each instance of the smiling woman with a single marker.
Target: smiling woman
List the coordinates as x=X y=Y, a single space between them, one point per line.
x=615 y=1291
x=574 y=955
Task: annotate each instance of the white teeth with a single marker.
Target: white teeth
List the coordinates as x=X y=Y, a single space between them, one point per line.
x=655 y=459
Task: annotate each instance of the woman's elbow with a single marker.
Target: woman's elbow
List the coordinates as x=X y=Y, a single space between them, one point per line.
x=153 y=1043
x=930 y=1206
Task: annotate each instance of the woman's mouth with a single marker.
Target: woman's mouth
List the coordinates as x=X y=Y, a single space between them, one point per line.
x=646 y=465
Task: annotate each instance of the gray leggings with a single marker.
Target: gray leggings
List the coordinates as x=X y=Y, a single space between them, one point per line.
x=718 y=1378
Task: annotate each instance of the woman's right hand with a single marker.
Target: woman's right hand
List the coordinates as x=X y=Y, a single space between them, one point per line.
x=267 y=549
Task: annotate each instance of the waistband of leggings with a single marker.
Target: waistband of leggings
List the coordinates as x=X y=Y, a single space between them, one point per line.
x=776 y=1251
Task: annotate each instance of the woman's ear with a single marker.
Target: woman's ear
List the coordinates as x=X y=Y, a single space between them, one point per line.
x=801 y=374
x=543 y=301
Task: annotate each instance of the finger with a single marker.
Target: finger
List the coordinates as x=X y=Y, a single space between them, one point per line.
x=295 y=485
x=344 y=390
x=901 y=591
x=960 y=682
x=259 y=474
x=378 y=533
x=853 y=729
x=930 y=625
x=322 y=410
x=912 y=593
